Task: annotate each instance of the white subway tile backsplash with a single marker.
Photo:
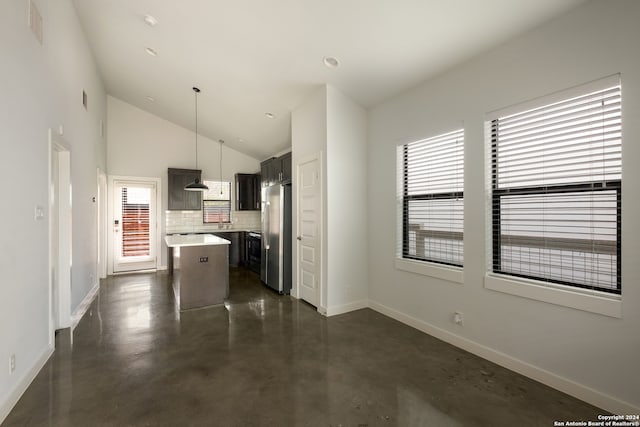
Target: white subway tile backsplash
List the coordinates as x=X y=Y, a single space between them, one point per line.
x=191 y=221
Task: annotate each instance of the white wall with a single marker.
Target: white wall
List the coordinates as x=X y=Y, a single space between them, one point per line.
x=346 y=177
x=41 y=87
x=144 y=145
x=589 y=355
x=308 y=137
x=331 y=124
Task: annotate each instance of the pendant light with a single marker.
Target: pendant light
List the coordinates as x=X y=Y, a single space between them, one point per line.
x=196 y=185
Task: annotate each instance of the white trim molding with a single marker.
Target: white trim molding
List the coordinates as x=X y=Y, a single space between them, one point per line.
x=451 y=274
x=572 y=388
x=111 y=182
x=84 y=306
x=591 y=301
x=23 y=383
x=346 y=308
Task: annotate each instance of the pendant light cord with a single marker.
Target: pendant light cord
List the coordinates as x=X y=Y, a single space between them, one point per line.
x=221 y=142
x=196 y=90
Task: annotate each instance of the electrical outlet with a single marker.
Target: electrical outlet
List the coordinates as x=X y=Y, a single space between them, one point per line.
x=12 y=363
x=458 y=318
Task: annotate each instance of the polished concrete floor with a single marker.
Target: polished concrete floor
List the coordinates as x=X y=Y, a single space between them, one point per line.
x=268 y=360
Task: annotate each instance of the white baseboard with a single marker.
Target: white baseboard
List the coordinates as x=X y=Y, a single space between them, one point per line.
x=572 y=388
x=345 y=308
x=23 y=383
x=84 y=306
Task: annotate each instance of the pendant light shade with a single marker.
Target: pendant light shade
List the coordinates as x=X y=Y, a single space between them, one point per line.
x=196 y=185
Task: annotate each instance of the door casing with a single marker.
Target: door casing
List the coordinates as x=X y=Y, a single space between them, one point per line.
x=320 y=297
x=110 y=218
x=60 y=229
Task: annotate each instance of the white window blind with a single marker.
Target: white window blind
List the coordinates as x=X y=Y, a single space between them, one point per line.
x=431 y=189
x=556 y=191
x=135 y=221
x=216 y=202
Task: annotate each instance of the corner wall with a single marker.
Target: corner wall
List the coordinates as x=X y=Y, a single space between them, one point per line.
x=309 y=137
x=330 y=123
x=591 y=356
x=346 y=177
x=41 y=87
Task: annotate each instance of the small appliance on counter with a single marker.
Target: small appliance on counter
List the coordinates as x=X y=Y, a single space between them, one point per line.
x=275 y=267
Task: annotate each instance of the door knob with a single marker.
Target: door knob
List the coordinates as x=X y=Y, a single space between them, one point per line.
x=299 y=237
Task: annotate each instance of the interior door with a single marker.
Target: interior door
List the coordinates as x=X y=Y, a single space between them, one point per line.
x=309 y=240
x=134 y=226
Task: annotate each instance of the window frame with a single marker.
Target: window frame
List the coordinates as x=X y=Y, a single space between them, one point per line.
x=497 y=278
x=405 y=260
x=229 y=207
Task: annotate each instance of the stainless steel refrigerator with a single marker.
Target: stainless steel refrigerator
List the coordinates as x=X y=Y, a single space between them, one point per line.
x=275 y=264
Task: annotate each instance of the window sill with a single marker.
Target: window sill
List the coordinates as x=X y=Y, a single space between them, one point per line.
x=591 y=301
x=425 y=268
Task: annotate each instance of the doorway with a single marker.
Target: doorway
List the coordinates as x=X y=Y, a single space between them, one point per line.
x=60 y=261
x=101 y=225
x=309 y=229
x=135 y=244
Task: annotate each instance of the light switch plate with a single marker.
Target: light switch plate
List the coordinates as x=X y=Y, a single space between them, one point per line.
x=39 y=212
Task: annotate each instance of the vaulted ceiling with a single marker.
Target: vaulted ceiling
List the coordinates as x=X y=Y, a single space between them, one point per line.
x=252 y=57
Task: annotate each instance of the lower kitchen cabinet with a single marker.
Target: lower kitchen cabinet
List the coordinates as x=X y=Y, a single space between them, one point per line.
x=236 y=249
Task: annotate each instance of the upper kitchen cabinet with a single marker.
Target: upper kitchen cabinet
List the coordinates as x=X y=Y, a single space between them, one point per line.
x=179 y=198
x=247 y=192
x=276 y=170
x=285 y=168
x=268 y=172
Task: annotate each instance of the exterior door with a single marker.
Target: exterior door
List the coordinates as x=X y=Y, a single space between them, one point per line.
x=134 y=226
x=309 y=226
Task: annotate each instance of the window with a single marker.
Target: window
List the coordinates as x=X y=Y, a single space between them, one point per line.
x=216 y=202
x=431 y=188
x=135 y=221
x=556 y=190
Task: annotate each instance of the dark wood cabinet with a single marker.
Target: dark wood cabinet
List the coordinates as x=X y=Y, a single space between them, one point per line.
x=247 y=192
x=236 y=248
x=268 y=172
x=276 y=170
x=179 y=199
x=285 y=168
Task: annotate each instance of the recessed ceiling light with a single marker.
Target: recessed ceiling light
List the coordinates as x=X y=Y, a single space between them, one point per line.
x=150 y=20
x=330 y=61
x=151 y=51
x=240 y=140
x=151 y=99
x=270 y=115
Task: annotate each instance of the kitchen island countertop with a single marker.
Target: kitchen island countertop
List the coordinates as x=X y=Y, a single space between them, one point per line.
x=180 y=240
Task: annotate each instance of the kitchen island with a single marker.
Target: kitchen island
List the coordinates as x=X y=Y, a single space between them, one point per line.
x=200 y=269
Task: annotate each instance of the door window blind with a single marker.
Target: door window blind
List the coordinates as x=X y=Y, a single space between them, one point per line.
x=431 y=185
x=556 y=175
x=216 y=202
x=135 y=221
